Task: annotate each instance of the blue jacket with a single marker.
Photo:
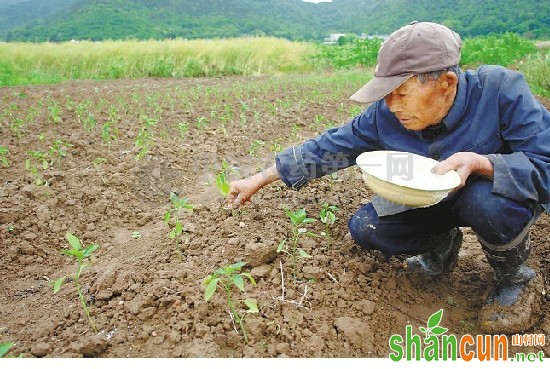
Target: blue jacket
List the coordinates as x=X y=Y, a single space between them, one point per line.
x=494 y=112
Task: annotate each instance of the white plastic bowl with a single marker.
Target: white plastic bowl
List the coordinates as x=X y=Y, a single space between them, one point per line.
x=406 y=178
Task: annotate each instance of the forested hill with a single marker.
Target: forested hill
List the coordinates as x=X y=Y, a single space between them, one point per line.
x=62 y=20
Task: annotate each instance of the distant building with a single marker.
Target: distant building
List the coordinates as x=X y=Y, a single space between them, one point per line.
x=365 y=36
x=333 y=37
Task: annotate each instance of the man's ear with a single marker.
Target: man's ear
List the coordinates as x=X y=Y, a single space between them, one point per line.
x=449 y=81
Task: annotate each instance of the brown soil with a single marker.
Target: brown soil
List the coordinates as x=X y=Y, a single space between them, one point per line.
x=147 y=300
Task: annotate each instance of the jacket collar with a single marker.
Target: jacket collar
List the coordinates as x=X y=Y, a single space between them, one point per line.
x=456 y=113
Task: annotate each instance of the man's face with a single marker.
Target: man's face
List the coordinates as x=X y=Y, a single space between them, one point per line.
x=419 y=105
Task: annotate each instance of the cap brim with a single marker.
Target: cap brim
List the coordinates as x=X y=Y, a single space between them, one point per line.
x=377 y=88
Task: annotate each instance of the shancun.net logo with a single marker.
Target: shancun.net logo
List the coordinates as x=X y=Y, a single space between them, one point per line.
x=436 y=345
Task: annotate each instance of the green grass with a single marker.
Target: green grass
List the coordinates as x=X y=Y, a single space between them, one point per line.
x=348 y=54
x=45 y=63
x=536 y=68
x=12 y=74
x=31 y=63
x=497 y=50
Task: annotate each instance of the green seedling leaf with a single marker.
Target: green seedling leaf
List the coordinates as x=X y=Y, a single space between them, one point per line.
x=300 y=215
x=281 y=245
x=173 y=198
x=435 y=319
x=57 y=284
x=4 y=348
x=296 y=217
x=438 y=330
x=237 y=265
x=74 y=242
x=76 y=253
x=289 y=214
x=238 y=281
x=211 y=288
x=225 y=188
x=422 y=329
x=249 y=276
x=179 y=228
x=221 y=183
x=219 y=271
x=303 y=253
x=180 y=203
x=326 y=215
x=308 y=220
x=172 y=234
x=99 y=161
x=311 y=234
x=228 y=270
x=167 y=217
x=90 y=250
x=252 y=305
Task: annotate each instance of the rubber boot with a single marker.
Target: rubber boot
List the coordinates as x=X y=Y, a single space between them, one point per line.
x=510 y=273
x=440 y=259
x=510 y=307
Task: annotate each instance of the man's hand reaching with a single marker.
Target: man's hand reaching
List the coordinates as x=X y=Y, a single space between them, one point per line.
x=241 y=191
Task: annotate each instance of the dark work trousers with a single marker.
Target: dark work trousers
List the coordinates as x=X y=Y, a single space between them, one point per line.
x=493 y=218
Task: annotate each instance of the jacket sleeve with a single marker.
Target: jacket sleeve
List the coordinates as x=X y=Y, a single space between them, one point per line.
x=335 y=149
x=522 y=172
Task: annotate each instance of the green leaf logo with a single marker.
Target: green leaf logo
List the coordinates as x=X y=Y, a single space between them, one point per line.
x=435 y=319
x=4 y=348
x=433 y=327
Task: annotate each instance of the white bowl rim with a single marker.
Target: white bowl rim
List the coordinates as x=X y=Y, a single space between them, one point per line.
x=375 y=163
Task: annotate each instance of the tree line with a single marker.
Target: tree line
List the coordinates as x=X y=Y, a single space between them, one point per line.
x=97 y=20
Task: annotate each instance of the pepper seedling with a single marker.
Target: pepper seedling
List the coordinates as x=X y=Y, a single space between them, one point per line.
x=328 y=218
x=229 y=276
x=222 y=183
x=173 y=213
x=4 y=156
x=98 y=162
x=221 y=177
x=37 y=158
x=298 y=220
x=255 y=146
x=80 y=254
x=57 y=151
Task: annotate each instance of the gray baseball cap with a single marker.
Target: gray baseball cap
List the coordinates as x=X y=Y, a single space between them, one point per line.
x=419 y=47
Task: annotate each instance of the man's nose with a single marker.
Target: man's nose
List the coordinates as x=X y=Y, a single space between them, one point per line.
x=394 y=104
